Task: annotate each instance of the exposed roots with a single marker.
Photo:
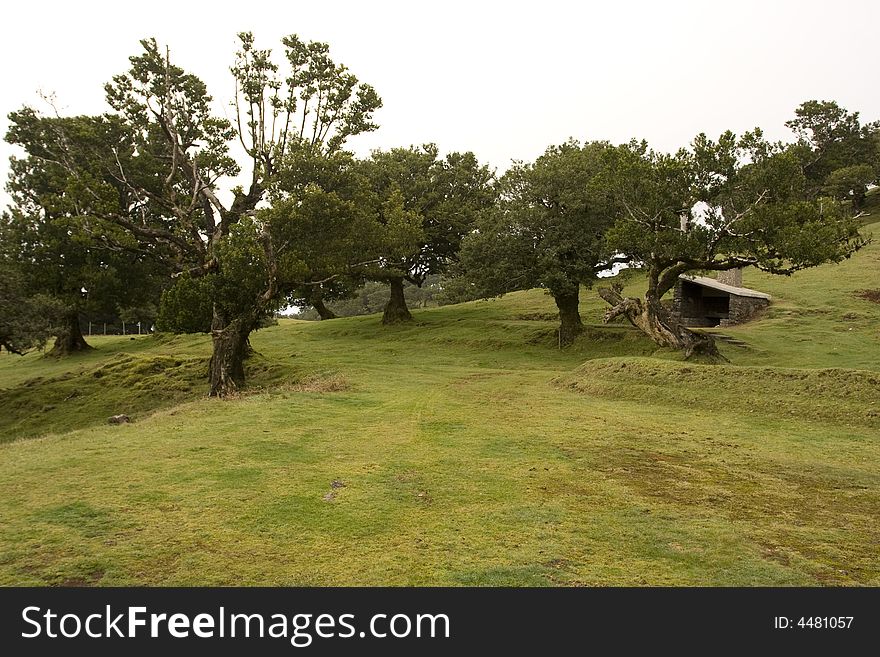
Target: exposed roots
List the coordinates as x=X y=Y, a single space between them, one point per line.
x=654 y=321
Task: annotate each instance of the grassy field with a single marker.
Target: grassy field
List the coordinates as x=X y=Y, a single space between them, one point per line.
x=465 y=449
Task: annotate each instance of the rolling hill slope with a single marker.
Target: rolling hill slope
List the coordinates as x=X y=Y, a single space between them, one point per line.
x=465 y=449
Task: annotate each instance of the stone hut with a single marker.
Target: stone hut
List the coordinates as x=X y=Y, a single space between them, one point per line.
x=706 y=302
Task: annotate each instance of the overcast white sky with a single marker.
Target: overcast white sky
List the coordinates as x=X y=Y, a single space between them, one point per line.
x=504 y=79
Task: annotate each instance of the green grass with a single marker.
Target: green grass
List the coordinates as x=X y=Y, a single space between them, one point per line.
x=471 y=449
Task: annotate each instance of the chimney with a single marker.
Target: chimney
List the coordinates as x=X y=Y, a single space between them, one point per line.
x=732 y=277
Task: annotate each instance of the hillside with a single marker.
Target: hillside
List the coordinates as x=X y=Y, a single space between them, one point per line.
x=465 y=449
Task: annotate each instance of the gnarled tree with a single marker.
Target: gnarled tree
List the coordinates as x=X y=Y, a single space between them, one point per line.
x=162 y=181
x=717 y=206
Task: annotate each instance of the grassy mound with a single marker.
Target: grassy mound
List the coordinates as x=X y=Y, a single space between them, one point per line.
x=127 y=384
x=848 y=397
x=133 y=384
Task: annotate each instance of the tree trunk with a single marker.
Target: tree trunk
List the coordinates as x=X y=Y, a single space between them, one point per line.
x=396 y=310
x=318 y=304
x=570 y=325
x=231 y=348
x=70 y=339
x=654 y=321
x=858 y=198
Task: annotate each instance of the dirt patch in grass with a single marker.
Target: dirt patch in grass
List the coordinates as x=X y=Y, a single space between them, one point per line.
x=88 y=579
x=331 y=382
x=869 y=295
x=768 y=498
x=318 y=382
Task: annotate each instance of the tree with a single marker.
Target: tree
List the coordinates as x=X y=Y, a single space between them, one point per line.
x=841 y=155
x=332 y=233
x=850 y=184
x=547 y=230
x=342 y=176
x=26 y=321
x=187 y=305
x=84 y=264
x=718 y=206
x=372 y=297
x=444 y=197
x=160 y=180
x=326 y=298
x=284 y=246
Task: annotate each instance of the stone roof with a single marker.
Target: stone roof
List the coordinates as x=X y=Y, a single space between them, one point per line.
x=730 y=289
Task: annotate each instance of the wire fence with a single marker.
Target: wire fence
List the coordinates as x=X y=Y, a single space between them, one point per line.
x=115 y=328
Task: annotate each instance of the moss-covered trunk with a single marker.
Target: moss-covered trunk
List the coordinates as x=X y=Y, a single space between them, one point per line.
x=570 y=324
x=317 y=302
x=70 y=339
x=654 y=320
x=859 y=195
x=231 y=348
x=396 y=310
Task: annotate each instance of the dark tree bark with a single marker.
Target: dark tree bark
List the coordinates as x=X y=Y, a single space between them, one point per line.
x=858 y=199
x=317 y=302
x=231 y=348
x=570 y=325
x=655 y=321
x=6 y=343
x=70 y=339
x=396 y=310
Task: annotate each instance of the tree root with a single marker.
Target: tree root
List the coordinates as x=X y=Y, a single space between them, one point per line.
x=653 y=320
